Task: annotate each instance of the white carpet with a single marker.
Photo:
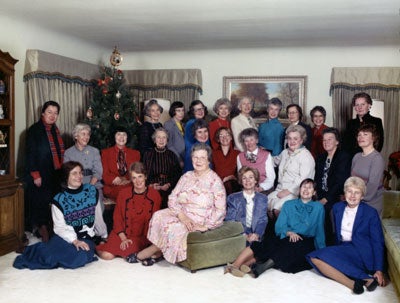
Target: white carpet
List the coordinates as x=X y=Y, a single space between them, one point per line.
x=119 y=281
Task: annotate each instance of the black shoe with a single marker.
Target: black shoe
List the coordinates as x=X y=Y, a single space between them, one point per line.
x=254 y=271
x=373 y=285
x=358 y=288
x=132 y=258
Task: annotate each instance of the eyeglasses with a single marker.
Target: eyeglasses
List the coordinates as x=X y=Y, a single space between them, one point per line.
x=200 y=159
x=200 y=109
x=224 y=136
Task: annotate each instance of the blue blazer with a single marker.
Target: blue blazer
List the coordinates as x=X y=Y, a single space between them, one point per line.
x=367 y=235
x=236 y=211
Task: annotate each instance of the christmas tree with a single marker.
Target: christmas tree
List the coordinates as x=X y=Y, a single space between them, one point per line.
x=112 y=106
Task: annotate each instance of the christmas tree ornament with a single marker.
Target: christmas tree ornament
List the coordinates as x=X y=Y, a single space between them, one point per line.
x=119 y=74
x=104 y=91
x=89 y=113
x=116 y=116
x=116 y=58
x=118 y=95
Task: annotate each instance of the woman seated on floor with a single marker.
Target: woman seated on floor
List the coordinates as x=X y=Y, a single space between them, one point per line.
x=299 y=230
x=135 y=206
x=197 y=203
x=248 y=206
x=357 y=258
x=77 y=218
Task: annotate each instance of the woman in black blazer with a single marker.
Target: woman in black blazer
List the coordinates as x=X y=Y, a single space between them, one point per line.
x=331 y=171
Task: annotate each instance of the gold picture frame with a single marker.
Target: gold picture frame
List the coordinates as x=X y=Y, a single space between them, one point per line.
x=289 y=89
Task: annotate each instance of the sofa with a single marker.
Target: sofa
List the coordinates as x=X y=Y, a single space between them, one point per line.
x=391 y=230
x=214 y=247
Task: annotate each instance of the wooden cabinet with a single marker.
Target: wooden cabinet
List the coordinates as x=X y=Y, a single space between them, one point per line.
x=11 y=192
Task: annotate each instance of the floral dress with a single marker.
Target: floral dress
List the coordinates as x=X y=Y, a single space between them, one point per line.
x=202 y=199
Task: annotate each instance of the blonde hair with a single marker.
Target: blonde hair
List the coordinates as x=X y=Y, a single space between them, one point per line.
x=356 y=182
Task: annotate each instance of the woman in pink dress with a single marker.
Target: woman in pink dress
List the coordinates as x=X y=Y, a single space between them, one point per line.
x=198 y=203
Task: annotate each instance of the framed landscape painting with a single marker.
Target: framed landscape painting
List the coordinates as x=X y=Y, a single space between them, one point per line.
x=289 y=89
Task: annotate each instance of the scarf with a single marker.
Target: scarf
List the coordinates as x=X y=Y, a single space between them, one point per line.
x=121 y=163
x=56 y=144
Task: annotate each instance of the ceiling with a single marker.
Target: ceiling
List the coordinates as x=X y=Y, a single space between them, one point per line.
x=151 y=25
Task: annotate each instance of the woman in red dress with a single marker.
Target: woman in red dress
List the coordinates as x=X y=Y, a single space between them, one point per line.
x=116 y=160
x=135 y=206
x=222 y=108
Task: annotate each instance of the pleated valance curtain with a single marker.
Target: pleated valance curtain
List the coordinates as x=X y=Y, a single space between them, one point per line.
x=381 y=83
x=172 y=84
x=70 y=83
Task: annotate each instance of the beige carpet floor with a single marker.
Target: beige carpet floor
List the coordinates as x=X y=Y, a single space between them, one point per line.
x=120 y=282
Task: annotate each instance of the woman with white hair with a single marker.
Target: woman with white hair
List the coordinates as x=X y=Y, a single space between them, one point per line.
x=162 y=165
x=295 y=164
x=357 y=259
x=242 y=121
x=88 y=156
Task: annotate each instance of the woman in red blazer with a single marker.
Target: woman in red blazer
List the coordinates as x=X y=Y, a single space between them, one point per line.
x=116 y=160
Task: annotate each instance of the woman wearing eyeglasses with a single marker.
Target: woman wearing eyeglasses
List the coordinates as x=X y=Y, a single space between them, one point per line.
x=224 y=160
x=197 y=203
x=197 y=110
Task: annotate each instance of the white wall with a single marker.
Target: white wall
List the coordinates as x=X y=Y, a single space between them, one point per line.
x=316 y=63
x=17 y=37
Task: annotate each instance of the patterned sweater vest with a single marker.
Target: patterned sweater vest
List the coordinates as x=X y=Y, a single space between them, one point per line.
x=262 y=157
x=78 y=207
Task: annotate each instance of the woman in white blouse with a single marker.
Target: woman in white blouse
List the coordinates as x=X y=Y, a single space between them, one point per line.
x=295 y=164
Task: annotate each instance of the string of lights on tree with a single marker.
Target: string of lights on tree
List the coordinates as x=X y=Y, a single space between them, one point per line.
x=111 y=106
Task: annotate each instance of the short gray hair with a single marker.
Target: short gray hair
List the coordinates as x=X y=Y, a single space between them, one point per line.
x=80 y=127
x=202 y=146
x=297 y=128
x=222 y=101
x=159 y=130
x=241 y=99
x=246 y=133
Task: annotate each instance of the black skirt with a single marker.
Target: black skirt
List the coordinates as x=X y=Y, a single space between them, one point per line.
x=287 y=256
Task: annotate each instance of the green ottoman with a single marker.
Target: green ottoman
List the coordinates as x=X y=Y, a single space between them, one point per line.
x=214 y=247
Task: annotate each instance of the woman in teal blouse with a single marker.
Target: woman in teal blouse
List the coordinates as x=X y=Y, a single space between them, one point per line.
x=299 y=228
